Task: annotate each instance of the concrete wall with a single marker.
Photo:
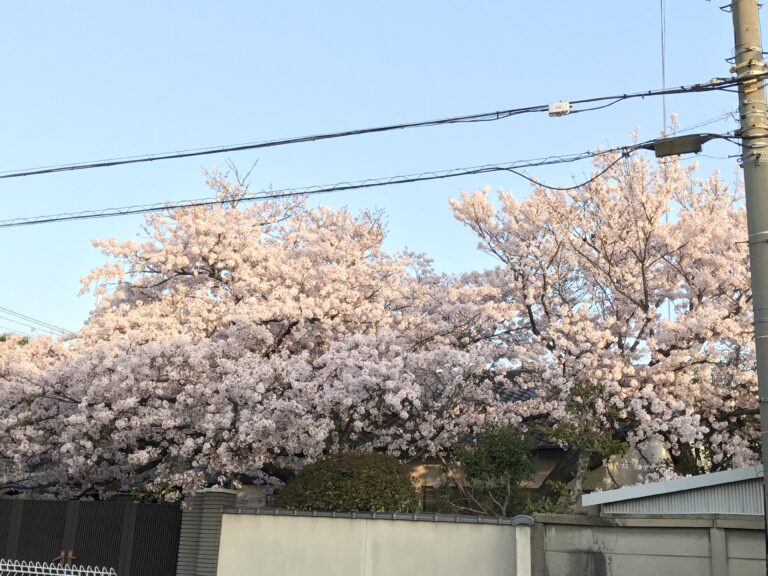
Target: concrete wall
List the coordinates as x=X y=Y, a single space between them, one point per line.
x=219 y=540
x=714 y=545
x=254 y=545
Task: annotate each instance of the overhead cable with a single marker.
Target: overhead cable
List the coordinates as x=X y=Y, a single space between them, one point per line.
x=30 y=322
x=512 y=167
x=575 y=186
x=6 y=330
x=715 y=84
x=29 y=327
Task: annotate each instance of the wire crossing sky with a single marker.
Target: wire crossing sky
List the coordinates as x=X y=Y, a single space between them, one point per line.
x=716 y=84
x=29 y=324
x=513 y=167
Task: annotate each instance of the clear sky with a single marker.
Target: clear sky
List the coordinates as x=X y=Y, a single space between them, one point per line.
x=86 y=80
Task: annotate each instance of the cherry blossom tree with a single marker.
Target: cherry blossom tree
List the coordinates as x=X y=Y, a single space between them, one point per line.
x=632 y=313
x=232 y=341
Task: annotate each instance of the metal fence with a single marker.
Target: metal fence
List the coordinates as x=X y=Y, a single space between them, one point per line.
x=19 y=568
x=134 y=539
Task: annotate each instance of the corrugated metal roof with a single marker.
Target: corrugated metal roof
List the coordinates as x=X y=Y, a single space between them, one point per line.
x=731 y=492
x=676 y=485
x=744 y=497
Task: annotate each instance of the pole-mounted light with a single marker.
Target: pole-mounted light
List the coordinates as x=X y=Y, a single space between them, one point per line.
x=677 y=145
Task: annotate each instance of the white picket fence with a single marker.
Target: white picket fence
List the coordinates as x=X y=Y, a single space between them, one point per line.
x=19 y=568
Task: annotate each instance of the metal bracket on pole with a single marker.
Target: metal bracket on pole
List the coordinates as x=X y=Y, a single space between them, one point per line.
x=748 y=64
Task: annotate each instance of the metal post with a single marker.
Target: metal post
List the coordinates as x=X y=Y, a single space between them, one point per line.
x=754 y=156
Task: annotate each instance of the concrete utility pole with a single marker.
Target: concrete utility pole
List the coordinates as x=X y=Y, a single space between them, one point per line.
x=754 y=157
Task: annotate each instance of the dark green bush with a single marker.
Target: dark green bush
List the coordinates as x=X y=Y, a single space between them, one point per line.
x=352 y=482
x=485 y=473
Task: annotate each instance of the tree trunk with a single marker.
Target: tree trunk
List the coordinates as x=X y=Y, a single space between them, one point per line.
x=582 y=467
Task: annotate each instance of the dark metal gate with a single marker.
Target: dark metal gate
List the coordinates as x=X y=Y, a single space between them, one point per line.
x=134 y=539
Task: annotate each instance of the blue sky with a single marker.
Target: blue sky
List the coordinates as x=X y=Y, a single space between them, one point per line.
x=92 y=80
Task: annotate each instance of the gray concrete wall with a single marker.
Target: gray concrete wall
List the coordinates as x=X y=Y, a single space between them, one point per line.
x=712 y=545
x=301 y=544
x=254 y=545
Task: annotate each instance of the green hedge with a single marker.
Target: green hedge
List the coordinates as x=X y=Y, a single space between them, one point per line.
x=352 y=482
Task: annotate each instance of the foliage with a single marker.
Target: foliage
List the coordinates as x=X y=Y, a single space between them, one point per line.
x=163 y=494
x=21 y=341
x=559 y=503
x=485 y=473
x=353 y=482
x=578 y=434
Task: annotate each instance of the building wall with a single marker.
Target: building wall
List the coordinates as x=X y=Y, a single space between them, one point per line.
x=303 y=545
x=567 y=545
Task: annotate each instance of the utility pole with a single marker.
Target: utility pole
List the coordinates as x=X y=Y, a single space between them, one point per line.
x=754 y=158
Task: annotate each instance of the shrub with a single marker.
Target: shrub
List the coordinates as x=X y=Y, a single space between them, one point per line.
x=352 y=482
x=556 y=504
x=485 y=473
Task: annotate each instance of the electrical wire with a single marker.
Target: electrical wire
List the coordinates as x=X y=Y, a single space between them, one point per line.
x=741 y=141
x=721 y=118
x=575 y=186
x=25 y=318
x=9 y=330
x=28 y=329
x=28 y=321
x=31 y=328
x=512 y=167
x=600 y=107
x=715 y=84
x=663 y=33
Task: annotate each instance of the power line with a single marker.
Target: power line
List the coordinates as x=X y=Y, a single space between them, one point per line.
x=29 y=327
x=24 y=320
x=306 y=191
x=10 y=330
x=575 y=186
x=512 y=167
x=663 y=33
x=728 y=115
x=715 y=84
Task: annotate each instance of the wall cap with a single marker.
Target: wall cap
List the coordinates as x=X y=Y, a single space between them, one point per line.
x=519 y=520
x=733 y=521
